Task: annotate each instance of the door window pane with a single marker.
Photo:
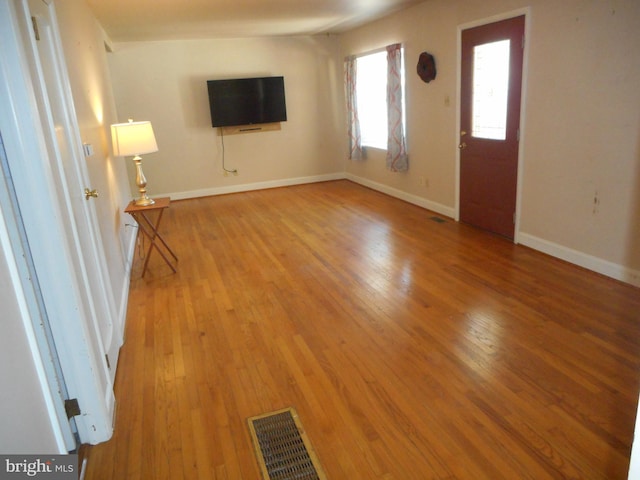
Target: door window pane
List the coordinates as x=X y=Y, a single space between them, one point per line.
x=490 y=90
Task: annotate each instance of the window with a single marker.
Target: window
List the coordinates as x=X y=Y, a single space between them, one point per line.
x=371 y=91
x=374 y=93
x=490 y=90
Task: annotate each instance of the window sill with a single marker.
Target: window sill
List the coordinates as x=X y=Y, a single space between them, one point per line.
x=368 y=147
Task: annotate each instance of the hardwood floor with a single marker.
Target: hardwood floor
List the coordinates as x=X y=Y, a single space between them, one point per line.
x=411 y=349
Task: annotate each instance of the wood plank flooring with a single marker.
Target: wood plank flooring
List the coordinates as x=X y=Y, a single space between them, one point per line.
x=411 y=349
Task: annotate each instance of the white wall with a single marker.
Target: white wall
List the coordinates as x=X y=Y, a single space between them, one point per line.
x=430 y=108
x=582 y=152
x=581 y=171
x=165 y=82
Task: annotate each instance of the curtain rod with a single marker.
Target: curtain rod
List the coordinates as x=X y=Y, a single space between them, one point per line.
x=371 y=52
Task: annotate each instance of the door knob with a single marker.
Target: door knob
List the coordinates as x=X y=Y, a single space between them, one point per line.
x=462 y=146
x=90 y=193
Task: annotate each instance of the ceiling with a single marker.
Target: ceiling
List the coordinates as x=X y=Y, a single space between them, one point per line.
x=138 y=20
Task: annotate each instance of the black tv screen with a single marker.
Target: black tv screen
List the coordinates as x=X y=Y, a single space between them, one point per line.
x=247 y=101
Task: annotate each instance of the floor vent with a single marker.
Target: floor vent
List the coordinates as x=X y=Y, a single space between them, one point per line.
x=438 y=219
x=282 y=447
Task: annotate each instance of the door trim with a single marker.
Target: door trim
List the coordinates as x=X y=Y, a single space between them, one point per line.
x=526 y=12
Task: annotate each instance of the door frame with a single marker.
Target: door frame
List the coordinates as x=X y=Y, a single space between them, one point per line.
x=526 y=12
x=52 y=239
x=15 y=248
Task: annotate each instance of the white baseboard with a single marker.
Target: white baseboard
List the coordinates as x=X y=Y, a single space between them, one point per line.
x=130 y=250
x=604 y=267
x=83 y=469
x=246 y=187
x=394 y=192
x=407 y=197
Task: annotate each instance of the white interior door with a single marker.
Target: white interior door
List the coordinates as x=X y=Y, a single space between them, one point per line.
x=46 y=162
x=65 y=144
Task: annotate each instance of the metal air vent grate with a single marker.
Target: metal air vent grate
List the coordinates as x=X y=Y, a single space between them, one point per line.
x=283 y=450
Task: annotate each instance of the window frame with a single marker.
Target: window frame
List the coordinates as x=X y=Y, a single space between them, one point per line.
x=366 y=139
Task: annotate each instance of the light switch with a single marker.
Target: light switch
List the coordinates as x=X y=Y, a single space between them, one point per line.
x=88 y=149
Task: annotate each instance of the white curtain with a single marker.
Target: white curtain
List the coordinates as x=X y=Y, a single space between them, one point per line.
x=355 y=141
x=397 y=159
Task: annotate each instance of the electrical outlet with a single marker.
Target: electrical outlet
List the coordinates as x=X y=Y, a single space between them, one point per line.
x=596 y=203
x=422 y=181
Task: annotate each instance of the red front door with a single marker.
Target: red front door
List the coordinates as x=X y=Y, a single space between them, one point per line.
x=491 y=86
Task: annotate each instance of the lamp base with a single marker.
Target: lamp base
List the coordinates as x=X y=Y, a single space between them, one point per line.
x=144 y=201
x=141 y=182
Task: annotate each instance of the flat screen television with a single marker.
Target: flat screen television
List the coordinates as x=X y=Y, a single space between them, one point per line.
x=247 y=101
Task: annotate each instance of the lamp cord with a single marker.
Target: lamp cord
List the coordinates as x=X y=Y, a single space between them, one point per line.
x=234 y=171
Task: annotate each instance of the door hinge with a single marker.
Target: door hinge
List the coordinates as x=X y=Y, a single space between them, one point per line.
x=36 y=32
x=72 y=407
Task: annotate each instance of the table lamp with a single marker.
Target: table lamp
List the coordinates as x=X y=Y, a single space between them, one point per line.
x=135 y=138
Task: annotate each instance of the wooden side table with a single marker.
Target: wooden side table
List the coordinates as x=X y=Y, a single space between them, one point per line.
x=150 y=229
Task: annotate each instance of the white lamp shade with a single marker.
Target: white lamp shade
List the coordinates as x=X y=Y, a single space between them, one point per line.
x=133 y=138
